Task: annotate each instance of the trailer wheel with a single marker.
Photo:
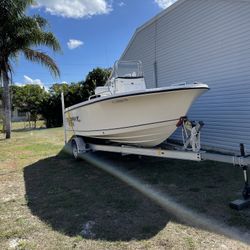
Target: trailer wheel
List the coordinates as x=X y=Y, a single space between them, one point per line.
x=75 y=150
x=78 y=147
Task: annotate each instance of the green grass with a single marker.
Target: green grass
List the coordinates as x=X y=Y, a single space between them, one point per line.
x=47 y=199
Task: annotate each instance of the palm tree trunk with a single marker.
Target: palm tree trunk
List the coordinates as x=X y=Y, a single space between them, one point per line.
x=3 y=117
x=7 y=106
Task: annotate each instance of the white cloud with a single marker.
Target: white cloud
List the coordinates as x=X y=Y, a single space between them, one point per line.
x=73 y=43
x=28 y=80
x=75 y=8
x=121 y=4
x=165 y=3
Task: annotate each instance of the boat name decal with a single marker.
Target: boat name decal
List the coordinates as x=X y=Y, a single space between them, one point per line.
x=72 y=119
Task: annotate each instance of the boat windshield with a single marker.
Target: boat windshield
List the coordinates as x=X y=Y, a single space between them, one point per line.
x=127 y=69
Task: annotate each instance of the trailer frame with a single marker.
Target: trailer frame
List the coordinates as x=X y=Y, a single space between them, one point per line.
x=191 y=150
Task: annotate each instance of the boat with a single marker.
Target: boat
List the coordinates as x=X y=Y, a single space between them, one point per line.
x=124 y=111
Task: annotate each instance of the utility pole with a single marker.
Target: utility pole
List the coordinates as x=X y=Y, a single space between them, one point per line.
x=63 y=116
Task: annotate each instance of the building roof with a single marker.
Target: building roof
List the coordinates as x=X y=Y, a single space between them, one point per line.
x=158 y=16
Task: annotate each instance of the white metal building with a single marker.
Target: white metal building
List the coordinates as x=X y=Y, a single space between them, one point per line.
x=206 y=41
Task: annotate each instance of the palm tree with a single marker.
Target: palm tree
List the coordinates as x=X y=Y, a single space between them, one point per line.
x=20 y=33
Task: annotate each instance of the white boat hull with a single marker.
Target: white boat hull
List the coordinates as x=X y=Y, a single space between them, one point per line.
x=143 y=118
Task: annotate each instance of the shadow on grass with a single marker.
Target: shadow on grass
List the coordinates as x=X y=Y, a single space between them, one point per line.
x=67 y=194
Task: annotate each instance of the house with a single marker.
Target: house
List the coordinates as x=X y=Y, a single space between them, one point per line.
x=204 y=41
x=16 y=115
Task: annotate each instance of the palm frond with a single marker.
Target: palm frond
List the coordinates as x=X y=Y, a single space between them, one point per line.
x=51 y=41
x=26 y=33
x=14 y=8
x=20 y=33
x=22 y=5
x=42 y=22
x=40 y=38
x=36 y=56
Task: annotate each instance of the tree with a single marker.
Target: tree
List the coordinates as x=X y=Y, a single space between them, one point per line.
x=73 y=93
x=51 y=106
x=19 y=34
x=96 y=77
x=1 y=109
x=29 y=98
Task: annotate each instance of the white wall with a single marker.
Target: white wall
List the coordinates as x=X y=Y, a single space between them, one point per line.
x=206 y=41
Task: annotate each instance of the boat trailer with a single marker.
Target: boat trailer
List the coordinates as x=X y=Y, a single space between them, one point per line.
x=191 y=150
x=79 y=147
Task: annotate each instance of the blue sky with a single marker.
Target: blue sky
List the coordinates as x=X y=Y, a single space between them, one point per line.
x=92 y=33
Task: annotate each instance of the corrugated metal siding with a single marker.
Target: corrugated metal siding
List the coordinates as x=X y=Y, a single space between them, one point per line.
x=143 y=48
x=206 y=41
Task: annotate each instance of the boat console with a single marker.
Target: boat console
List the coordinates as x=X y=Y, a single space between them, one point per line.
x=127 y=76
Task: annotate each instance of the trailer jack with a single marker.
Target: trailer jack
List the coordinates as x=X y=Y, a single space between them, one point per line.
x=245 y=202
x=246 y=190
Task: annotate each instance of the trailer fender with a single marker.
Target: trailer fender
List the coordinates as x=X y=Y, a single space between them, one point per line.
x=78 y=146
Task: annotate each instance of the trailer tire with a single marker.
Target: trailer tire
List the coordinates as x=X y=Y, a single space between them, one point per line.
x=75 y=150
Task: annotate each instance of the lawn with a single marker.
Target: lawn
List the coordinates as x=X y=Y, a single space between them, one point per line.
x=50 y=201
